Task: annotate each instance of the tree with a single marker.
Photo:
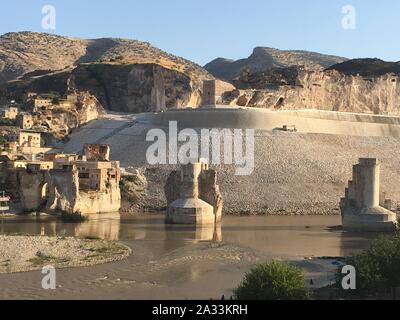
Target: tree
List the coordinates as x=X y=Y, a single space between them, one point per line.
x=377 y=268
x=273 y=281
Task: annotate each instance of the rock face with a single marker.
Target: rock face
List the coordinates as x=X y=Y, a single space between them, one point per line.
x=126 y=88
x=124 y=75
x=60 y=120
x=137 y=87
x=264 y=59
x=324 y=90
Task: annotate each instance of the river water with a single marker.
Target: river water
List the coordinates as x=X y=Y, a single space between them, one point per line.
x=301 y=236
x=181 y=262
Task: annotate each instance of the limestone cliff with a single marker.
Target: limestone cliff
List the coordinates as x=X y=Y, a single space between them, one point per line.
x=324 y=90
x=118 y=87
x=60 y=120
x=133 y=87
x=124 y=75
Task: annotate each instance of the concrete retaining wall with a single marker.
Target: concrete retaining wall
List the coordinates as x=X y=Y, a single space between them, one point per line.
x=306 y=121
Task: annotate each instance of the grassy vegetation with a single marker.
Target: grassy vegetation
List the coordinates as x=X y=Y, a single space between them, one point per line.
x=42 y=260
x=102 y=250
x=273 y=281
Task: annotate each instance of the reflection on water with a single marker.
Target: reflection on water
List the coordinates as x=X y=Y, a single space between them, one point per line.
x=292 y=236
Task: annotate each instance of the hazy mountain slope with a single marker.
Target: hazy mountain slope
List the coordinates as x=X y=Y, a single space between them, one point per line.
x=264 y=59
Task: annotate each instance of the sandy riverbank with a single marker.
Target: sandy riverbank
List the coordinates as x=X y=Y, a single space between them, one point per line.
x=28 y=253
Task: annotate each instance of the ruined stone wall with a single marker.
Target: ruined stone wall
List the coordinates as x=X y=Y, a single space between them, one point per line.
x=97 y=152
x=210 y=193
x=100 y=202
x=213 y=90
x=63 y=188
x=57 y=191
x=30 y=187
x=66 y=196
x=172 y=188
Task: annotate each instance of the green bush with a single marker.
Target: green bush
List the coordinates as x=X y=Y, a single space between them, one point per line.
x=6 y=122
x=133 y=179
x=273 y=281
x=377 y=268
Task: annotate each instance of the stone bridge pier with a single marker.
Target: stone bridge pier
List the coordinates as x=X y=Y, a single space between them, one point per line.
x=193 y=196
x=364 y=207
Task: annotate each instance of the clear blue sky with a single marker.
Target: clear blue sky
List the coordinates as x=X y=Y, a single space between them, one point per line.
x=202 y=30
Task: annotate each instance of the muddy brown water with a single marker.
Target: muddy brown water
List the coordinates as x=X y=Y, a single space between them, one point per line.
x=181 y=262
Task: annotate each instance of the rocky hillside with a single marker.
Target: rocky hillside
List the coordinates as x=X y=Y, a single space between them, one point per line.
x=264 y=59
x=367 y=67
x=325 y=90
x=125 y=87
x=24 y=52
x=124 y=75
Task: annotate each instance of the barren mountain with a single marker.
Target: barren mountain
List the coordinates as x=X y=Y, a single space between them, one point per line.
x=26 y=52
x=121 y=73
x=265 y=59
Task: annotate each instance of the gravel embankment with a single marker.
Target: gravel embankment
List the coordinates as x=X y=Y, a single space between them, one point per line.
x=27 y=253
x=295 y=173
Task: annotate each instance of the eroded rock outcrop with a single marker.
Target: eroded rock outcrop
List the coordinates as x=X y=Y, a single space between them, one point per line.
x=137 y=87
x=324 y=90
x=126 y=87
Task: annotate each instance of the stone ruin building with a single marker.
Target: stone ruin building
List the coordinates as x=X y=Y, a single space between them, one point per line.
x=193 y=196
x=213 y=91
x=10 y=112
x=364 y=207
x=66 y=183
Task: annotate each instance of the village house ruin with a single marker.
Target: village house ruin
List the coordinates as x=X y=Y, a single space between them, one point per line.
x=10 y=112
x=61 y=183
x=26 y=143
x=213 y=91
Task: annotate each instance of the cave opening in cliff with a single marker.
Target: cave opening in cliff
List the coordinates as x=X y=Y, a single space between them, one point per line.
x=279 y=103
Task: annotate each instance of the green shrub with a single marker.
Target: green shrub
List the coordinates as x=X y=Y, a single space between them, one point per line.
x=377 y=268
x=6 y=122
x=133 y=179
x=273 y=281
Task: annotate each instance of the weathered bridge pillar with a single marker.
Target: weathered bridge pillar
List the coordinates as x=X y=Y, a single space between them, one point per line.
x=193 y=196
x=363 y=205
